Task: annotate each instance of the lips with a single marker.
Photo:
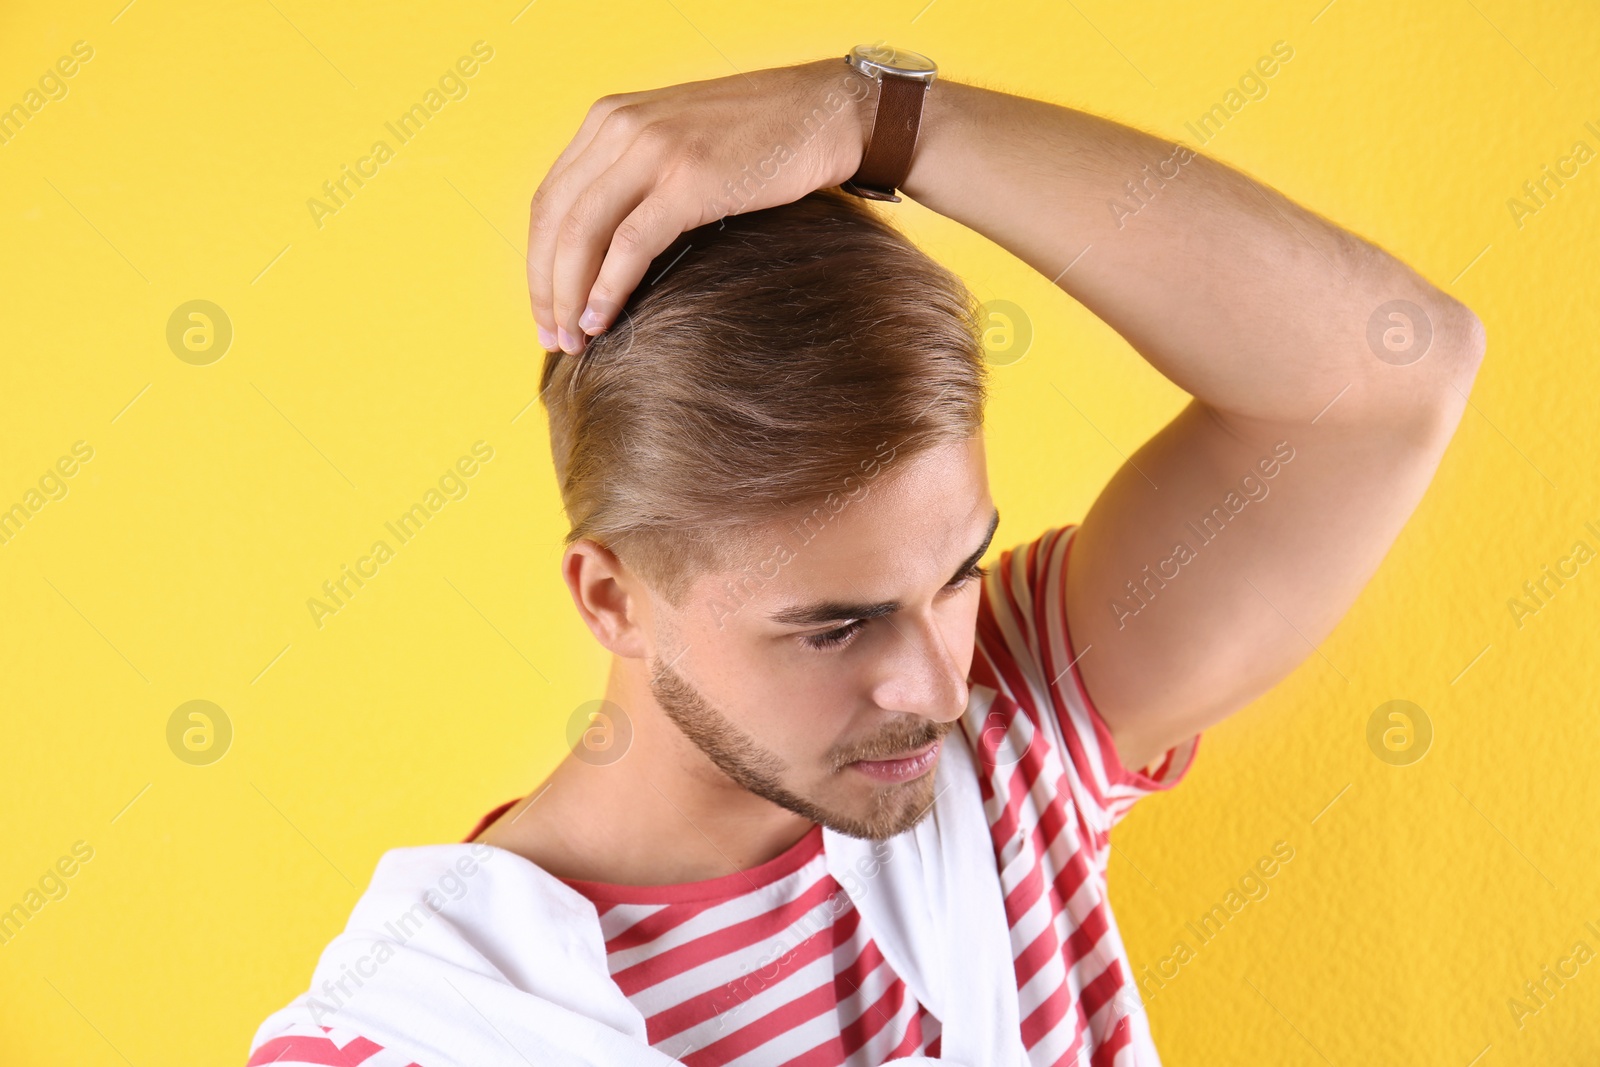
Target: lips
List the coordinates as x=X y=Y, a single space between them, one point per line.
x=902 y=768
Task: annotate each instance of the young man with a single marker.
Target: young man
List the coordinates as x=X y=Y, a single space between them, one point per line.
x=848 y=797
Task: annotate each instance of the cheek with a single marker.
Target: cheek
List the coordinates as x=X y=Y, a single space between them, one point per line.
x=825 y=703
x=801 y=710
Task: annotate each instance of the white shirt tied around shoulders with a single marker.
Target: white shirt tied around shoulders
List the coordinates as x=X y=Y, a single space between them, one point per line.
x=457 y=954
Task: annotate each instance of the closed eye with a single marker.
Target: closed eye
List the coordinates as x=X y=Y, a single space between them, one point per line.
x=838 y=638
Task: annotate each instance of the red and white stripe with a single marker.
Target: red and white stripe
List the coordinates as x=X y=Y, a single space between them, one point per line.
x=768 y=965
x=1054 y=786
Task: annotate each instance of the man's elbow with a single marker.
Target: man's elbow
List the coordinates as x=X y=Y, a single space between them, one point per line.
x=1456 y=352
x=1465 y=340
x=1462 y=343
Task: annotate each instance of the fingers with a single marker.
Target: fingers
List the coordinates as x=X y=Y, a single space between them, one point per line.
x=538 y=257
x=599 y=141
x=639 y=238
x=596 y=220
x=635 y=177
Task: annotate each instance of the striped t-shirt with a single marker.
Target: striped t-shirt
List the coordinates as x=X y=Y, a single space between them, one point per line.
x=771 y=965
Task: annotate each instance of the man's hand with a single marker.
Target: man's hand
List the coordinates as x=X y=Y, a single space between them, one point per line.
x=646 y=167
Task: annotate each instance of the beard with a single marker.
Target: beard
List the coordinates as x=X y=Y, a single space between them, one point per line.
x=891 y=809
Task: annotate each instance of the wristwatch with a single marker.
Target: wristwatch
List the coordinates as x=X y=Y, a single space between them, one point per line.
x=903 y=78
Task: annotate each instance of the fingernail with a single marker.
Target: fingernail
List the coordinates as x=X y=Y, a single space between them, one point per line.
x=591 y=321
x=547 y=339
x=569 y=343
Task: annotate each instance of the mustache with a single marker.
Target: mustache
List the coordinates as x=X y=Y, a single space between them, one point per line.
x=896 y=742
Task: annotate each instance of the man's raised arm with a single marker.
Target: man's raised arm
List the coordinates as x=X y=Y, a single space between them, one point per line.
x=1328 y=377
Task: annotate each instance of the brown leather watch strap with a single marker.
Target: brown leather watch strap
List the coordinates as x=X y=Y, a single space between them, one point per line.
x=887 y=159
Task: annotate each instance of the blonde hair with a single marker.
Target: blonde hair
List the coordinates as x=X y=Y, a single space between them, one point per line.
x=761 y=364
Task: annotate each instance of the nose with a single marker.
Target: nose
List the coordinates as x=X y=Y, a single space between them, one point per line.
x=921 y=674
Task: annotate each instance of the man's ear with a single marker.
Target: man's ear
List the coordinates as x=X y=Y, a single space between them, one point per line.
x=611 y=599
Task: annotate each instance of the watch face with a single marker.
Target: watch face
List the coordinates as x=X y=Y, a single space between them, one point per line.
x=890 y=59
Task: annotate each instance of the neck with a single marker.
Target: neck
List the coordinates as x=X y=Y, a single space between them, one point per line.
x=659 y=814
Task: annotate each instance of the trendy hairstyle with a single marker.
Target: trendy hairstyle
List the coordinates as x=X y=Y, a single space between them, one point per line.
x=765 y=362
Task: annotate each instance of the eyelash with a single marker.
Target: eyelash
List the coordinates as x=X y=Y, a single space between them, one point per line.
x=836 y=639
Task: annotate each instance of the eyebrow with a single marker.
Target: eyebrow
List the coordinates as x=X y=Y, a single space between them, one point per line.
x=838 y=611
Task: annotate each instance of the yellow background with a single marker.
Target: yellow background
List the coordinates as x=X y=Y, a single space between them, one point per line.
x=372 y=352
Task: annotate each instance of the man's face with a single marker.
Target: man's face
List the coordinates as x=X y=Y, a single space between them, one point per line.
x=812 y=715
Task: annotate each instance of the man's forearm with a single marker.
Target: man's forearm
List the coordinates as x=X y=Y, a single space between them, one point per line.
x=1254 y=305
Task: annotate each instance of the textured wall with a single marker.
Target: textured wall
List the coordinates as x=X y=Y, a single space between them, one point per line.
x=373 y=346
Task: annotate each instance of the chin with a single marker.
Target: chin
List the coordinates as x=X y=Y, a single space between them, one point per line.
x=890 y=811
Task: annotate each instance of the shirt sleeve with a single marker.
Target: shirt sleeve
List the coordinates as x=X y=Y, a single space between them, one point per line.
x=1025 y=652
